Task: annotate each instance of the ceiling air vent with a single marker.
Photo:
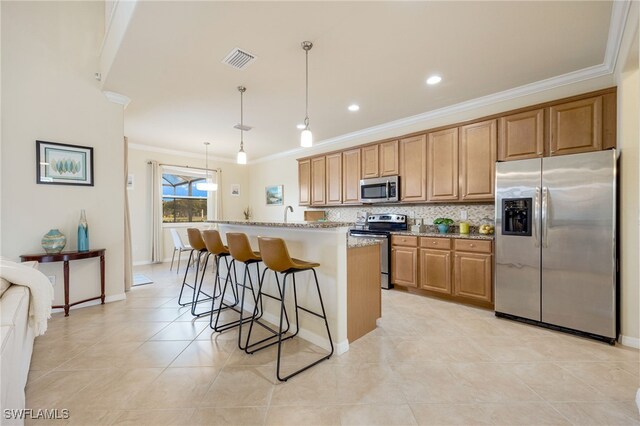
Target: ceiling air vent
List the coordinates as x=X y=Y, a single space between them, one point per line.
x=242 y=127
x=238 y=59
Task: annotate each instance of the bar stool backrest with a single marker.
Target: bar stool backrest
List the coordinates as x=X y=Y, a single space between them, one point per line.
x=240 y=247
x=195 y=239
x=213 y=242
x=275 y=254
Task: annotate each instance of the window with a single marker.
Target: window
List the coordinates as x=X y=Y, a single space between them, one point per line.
x=182 y=201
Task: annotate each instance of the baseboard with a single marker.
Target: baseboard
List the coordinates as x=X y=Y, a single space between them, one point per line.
x=142 y=262
x=632 y=342
x=107 y=299
x=321 y=341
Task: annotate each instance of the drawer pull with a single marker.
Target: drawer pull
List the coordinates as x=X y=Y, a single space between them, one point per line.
x=435 y=242
x=472 y=245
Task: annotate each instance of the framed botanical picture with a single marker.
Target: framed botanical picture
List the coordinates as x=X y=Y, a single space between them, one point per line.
x=274 y=195
x=62 y=164
x=235 y=189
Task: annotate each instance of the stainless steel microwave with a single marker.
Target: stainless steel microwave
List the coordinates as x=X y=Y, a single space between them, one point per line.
x=380 y=190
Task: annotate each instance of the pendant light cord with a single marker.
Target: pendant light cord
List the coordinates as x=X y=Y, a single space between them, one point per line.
x=241 y=120
x=306 y=105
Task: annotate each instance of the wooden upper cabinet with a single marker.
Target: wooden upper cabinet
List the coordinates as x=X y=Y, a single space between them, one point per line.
x=318 y=183
x=304 y=182
x=521 y=136
x=413 y=168
x=370 y=161
x=609 y=120
x=478 y=147
x=389 y=165
x=334 y=178
x=351 y=176
x=442 y=165
x=575 y=127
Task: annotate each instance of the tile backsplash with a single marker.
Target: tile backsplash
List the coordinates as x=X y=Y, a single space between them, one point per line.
x=427 y=212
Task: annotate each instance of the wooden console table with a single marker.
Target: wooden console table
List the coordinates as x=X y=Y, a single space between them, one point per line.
x=65 y=257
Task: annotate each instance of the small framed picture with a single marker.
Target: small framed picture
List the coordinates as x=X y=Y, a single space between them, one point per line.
x=235 y=189
x=62 y=164
x=130 y=180
x=275 y=195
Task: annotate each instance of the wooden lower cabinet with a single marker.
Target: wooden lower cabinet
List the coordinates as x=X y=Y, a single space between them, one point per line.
x=473 y=274
x=404 y=266
x=457 y=269
x=435 y=270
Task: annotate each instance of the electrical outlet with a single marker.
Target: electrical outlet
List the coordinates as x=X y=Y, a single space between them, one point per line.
x=52 y=278
x=463 y=215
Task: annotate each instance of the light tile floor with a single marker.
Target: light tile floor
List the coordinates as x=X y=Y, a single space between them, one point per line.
x=146 y=361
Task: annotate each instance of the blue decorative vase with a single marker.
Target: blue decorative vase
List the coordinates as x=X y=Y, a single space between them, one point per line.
x=443 y=228
x=83 y=233
x=53 y=241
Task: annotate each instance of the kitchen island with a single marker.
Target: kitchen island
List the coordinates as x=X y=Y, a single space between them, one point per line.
x=327 y=243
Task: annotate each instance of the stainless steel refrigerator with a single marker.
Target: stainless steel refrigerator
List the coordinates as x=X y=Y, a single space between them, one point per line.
x=556 y=261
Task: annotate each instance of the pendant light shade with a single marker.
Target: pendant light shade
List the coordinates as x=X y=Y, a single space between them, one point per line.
x=242 y=156
x=208 y=184
x=306 y=138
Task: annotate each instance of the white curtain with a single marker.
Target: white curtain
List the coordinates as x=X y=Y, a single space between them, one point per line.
x=128 y=262
x=156 y=212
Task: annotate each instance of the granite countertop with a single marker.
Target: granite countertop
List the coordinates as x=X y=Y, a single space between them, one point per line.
x=361 y=242
x=471 y=236
x=306 y=225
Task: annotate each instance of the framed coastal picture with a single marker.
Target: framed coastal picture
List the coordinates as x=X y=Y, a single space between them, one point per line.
x=62 y=164
x=274 y=195
x=235 y=189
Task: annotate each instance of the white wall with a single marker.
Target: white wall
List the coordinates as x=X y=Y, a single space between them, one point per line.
x=49 y=57
x=628 y=79
x=140 y=199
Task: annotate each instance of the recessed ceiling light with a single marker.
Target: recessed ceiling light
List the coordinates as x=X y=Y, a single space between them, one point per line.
x=300 y=126
x=354 y=107
x=434 y=79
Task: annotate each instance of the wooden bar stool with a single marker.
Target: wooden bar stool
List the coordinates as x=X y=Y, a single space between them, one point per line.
x=241 y=251
x=197 y=244
x=216 y=247
x=275 y=256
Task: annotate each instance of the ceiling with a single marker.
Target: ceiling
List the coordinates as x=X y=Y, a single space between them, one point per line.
x=375 y=54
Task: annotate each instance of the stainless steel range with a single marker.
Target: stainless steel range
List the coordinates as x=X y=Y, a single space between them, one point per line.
x=380 y=226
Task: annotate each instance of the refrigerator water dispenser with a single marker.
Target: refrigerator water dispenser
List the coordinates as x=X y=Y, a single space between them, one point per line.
x=516 y=216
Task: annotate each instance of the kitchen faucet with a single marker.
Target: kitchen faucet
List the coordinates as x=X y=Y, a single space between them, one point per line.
x=286 y=209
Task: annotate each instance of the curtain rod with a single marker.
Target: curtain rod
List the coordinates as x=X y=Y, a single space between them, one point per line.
x=187 y=167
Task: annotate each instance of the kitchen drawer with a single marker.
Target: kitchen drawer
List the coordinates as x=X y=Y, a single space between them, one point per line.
x=435 y=243
x=476 y=246
x=404 y=240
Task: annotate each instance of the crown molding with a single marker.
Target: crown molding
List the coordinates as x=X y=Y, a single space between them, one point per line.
x=617 y=24
x=186 y=154
x=619 y=13
x=117 y=98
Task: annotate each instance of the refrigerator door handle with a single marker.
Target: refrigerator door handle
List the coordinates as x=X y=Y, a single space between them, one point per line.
x=536 y=217
x=545 y=216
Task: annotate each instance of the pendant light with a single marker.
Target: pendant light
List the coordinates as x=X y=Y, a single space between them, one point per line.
x=306 y=138
x=242 y=156
x=208 y=185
